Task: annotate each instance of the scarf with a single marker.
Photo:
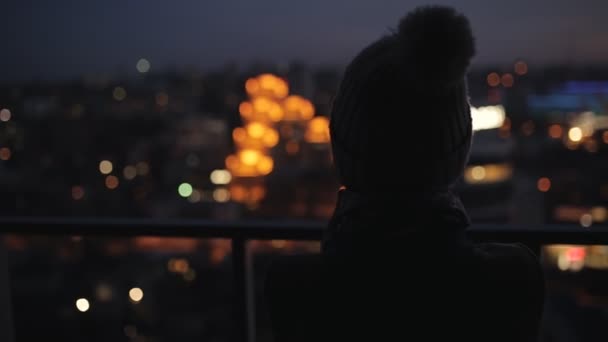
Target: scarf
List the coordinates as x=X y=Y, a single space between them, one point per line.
x=360 y=220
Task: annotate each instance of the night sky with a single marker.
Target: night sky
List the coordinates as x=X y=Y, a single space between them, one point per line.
x=51 y=39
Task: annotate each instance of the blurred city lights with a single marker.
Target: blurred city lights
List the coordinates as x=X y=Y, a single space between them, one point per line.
x=221 y=195
x=599 y=214
x=575 y=134
x=105 y=167
x=77 y=192
x=82 y=304
x=5 y=153
x=270 y=138
x=119 y=93
x=142 y=65
x=255 y=130
x=292 y=147
x=142 y=168
x=591 y=146
x=162 y=99
x=278 y=243
x=543 y=184
x=239 y=135
x=504 y=131
x=238 y=193
x=586 y=220
x=507 y=80
x=478 y=172
x=252 y=86
x=267 y=85
x=521 y=68
x=556 y=131
x=571 y=258
x=493 y=79
x=246 y=109
x=275 y=112
x=178 y=265
x=190 y=275
x=257 y=192
x=103 y=292
x=249 y=157
x=261 y=104
x=220 y=177
x=317 y=130
x=5 y=115
x=298 y=108
x=233 y=163
x=185 y=189
x=488 y=173
x=112 y=182
x=136 y=294
x=269 y=103
x=129 y=172
x=265 y=165
x=488 y=117
x=195 y=197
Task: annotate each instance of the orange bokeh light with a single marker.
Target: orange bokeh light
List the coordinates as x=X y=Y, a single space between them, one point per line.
x=77 y=192
x=543 y=184
x=298 y=108
x=249 y=157
x=507 y=80
x=292 y=147
x=255 y=130
x=5 y=153
x=238 y=193
x=246 y=109
x=111 y=182
x=556 y=131
x=493 y=79
x=271 y=138
x=265 y=165
x=239 y=135
x=318 y=130
x=521 y=68
x=252 y=86
x=257 y=193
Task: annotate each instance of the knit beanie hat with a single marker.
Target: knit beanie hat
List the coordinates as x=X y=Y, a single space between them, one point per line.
x=401 y=118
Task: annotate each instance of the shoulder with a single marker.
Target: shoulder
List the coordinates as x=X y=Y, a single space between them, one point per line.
x=505 y=257
x=509 y=263
x=514 y=271
x=515 y=252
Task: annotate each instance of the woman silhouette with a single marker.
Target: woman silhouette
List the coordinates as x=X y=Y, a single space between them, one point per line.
x=395 y=263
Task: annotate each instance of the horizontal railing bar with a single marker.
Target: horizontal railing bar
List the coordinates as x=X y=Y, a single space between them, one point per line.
x=274 y=229
x=104 y=227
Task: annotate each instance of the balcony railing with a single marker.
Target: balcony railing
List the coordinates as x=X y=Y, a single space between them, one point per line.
x=240 y=232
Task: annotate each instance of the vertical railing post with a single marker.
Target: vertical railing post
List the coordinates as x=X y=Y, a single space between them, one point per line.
x=244 y=290
x=6 y=308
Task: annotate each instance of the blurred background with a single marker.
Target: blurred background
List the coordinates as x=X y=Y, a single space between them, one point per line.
x=219 y=111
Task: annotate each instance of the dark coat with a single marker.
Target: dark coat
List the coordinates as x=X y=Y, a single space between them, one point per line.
x=421 y=285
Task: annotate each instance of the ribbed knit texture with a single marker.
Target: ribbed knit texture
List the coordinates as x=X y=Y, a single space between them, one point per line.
x=391 y=131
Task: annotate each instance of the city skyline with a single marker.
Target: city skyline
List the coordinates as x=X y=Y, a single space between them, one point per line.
x=64 y=39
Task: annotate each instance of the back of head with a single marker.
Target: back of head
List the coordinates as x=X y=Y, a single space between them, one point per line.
x=401 y=118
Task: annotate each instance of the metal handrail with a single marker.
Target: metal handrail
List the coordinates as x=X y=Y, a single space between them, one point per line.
x=275 y=229
x=239 y=232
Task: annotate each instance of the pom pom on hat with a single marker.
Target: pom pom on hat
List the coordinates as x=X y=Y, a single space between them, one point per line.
x=438 y=44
